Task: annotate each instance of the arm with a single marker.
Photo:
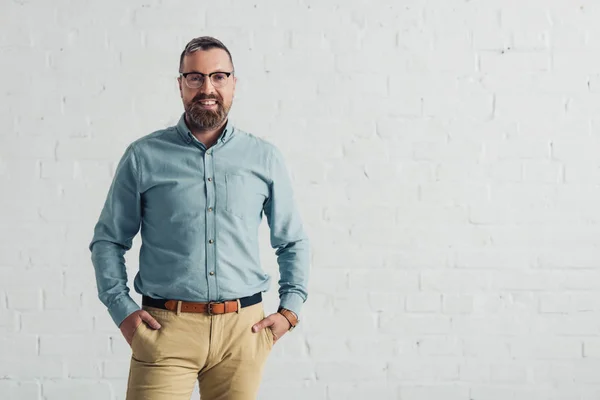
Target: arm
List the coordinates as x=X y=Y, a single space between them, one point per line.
x=287 y=236
x=118 y=224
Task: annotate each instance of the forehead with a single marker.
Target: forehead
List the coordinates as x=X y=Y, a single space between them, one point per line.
x=207 y=61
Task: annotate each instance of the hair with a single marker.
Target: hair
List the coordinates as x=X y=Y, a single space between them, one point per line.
x=202 y=43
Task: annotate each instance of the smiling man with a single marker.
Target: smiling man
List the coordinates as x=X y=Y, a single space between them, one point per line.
x=198 y=191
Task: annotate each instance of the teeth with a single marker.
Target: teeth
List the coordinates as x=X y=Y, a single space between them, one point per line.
x=208 y=102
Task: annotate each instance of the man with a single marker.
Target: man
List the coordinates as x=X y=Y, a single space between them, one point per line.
x=198 y=192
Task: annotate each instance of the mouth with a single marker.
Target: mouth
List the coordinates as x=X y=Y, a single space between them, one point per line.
x=208 y=104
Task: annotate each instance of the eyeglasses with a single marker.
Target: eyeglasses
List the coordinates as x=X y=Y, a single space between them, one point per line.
x=194 y=80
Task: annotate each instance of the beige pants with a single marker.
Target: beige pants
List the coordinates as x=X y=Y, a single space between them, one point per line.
x=220 y=351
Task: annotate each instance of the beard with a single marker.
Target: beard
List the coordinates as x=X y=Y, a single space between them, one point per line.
x=206 y=119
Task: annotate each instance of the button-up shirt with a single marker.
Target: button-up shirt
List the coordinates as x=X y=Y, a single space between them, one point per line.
x=199 y=211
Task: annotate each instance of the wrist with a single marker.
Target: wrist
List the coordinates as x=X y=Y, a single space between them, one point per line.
x=290 y=316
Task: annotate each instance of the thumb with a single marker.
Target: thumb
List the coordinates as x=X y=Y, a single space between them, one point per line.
x=149 y=319
x=262 y=324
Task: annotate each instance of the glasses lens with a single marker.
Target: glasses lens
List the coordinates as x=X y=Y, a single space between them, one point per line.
x=218 y=79
x=194 y=80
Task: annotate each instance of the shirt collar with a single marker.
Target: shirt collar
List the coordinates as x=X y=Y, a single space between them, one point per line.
x=188 y=137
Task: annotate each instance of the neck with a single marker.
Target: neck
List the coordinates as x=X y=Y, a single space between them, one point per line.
x=208 y=137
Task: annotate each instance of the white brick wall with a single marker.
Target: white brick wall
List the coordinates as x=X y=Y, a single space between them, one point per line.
x=444 y=154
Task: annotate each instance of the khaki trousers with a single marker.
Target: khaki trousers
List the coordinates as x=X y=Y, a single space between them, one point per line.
x=220 y=351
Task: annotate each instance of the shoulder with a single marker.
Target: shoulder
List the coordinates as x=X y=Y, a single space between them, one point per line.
x=153 y=143
x=154 y=138
x=257 y=143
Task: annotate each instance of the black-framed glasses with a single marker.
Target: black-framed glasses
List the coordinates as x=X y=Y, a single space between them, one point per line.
x=194 y=80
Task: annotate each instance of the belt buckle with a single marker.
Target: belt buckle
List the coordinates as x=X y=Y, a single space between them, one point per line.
x=209 y=307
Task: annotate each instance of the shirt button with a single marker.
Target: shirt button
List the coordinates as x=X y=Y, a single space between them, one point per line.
x=211 y=273
x=208 y=153
x=210 y=179
x=211 y=241
x=209 y=209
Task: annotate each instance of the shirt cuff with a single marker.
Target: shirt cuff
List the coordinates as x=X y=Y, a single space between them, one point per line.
x=122 y=308
x=292 y=302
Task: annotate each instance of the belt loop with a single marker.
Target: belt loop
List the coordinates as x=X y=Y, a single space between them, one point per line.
x=239 y=303
x=178 y=307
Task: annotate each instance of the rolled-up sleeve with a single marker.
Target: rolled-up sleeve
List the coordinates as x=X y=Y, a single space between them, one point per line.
x=287 y=236
x=118 y=224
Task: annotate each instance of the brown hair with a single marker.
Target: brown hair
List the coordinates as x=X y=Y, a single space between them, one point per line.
x=202 y=43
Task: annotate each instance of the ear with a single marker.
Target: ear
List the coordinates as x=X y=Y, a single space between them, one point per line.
x=234 y=82
x=180 y=88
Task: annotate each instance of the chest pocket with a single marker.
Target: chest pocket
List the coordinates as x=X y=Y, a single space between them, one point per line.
x=235 y=201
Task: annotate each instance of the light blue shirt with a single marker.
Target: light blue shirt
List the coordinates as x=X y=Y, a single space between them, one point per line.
x=199 y=211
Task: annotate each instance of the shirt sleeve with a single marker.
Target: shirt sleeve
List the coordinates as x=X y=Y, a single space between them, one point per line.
x=287 y=236
x=118 y=224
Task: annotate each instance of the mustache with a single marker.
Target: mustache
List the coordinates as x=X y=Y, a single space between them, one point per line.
x=201 y=97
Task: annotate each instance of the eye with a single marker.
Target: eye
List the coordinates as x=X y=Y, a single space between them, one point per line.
x=220 y=77
x=194 y=77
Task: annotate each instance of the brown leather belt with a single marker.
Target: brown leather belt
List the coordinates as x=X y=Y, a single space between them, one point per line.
x=210 y=308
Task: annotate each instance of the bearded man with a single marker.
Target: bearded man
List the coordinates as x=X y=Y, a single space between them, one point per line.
x=197 y=191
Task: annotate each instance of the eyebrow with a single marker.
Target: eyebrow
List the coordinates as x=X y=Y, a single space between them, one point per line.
x=198 y=72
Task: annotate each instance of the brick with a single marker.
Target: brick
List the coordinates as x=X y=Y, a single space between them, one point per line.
x=290 y=371
x=505 y=60
x=386 y=301
x=539 y=348
x=78 y=368
x=591 y=348
x=347 y=261
x=379 y=346
x=9 y=321
x=555 y=303
x=551 y=371
x=488 y=325
x=14 y=390
x=426 y=392
x=564 y=325
x=29 y=368
x=25 y=279
x=486 y=348
x=423 y=303
x=361 y=390
x=474 y=371
x=384 y=280
x=451 y=194
x=440 y=346
x=395 y=323
x=450 y=281
x=509 y=373
x=293 y=390
x=585 y=372
x=24 y=299
x=457 y=303
x=358 y=303
x=416 y=259
x=364 y=371
x=54 y=300
x=423 y=370
x=72 y=345
x=543 y=171
x=340 y=321
x=115 y=369
x=489 y=392
x=53 y=322
x=492 y=259
x=17 y=345
x=93 y=390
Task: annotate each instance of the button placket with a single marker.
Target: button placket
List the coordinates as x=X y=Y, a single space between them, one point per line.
x=211 y=229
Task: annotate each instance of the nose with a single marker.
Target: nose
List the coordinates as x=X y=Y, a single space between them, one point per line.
x=207 y=86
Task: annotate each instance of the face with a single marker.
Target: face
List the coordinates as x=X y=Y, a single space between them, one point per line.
x=207 y=107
